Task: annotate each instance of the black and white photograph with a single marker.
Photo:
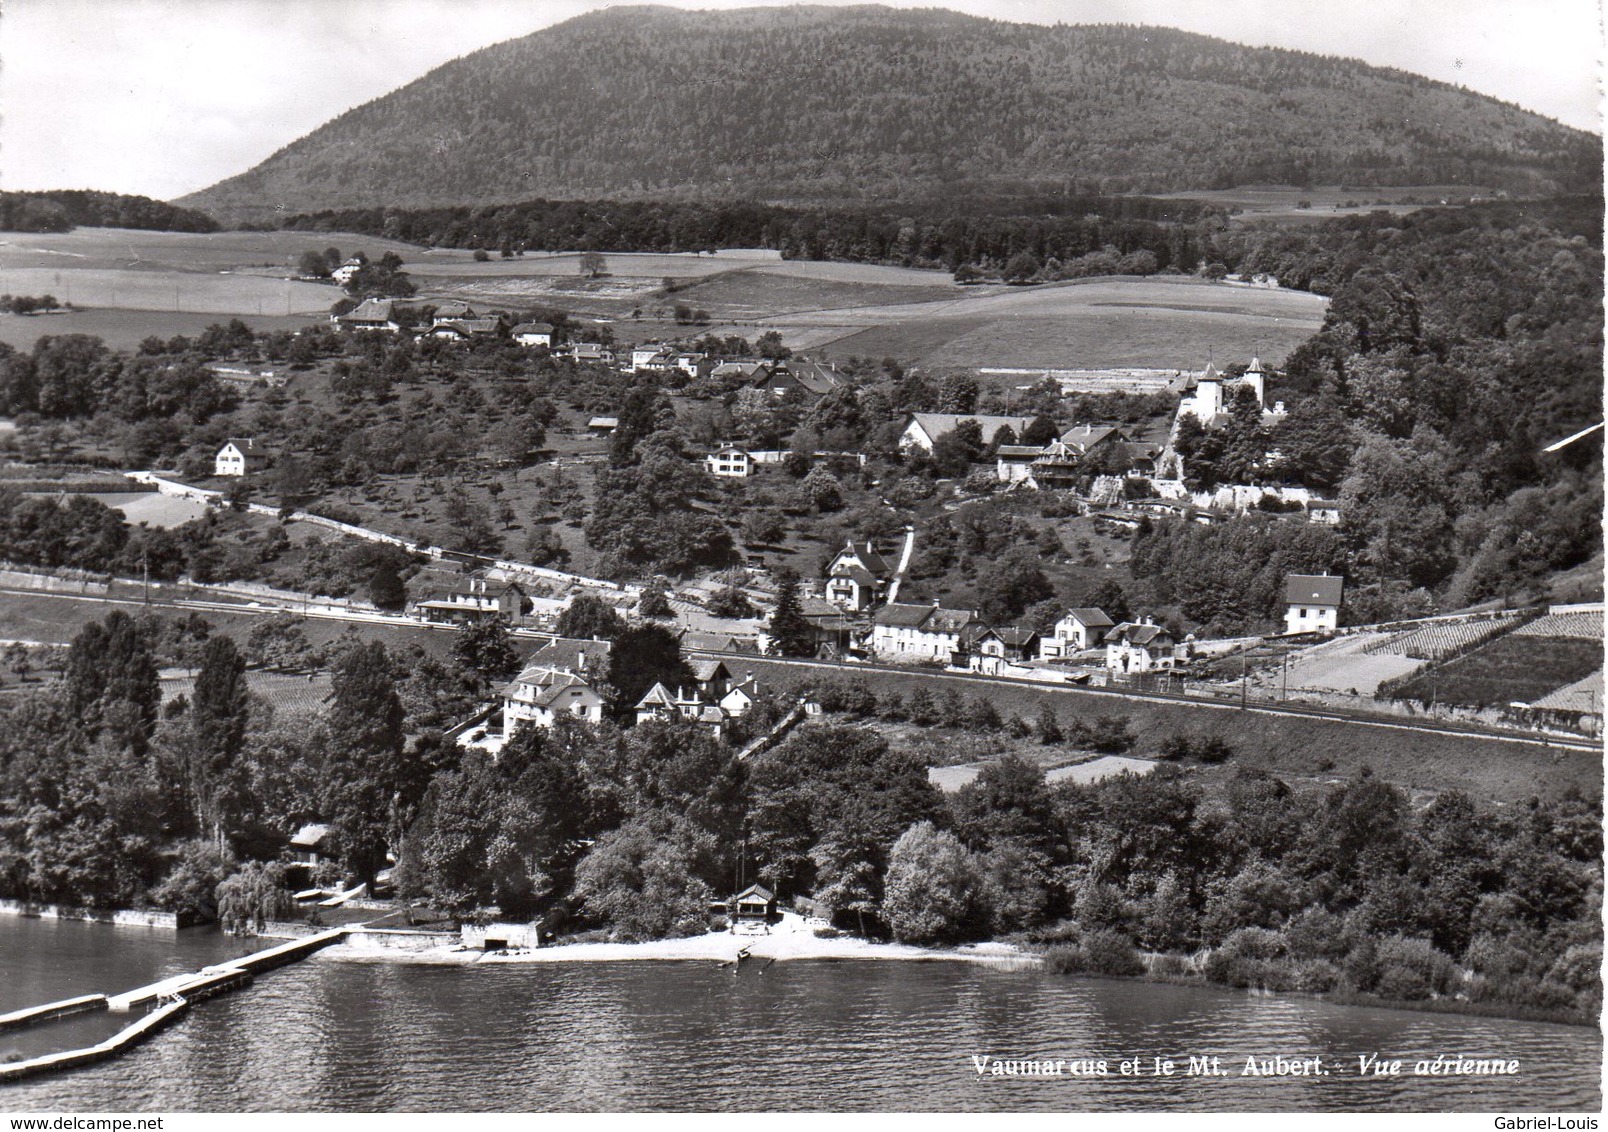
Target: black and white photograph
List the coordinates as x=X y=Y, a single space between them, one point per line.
x=1032 y=556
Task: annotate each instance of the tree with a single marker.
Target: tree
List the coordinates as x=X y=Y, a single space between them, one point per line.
x=1021 y=267
x=592 y=264
x=642 y=657
x=588 y=617
x=769 y=346
x=371 y=784
x=790 y=633
x=958 y=394
x=485 y=650
x=645 y=880
x=934 y=890
x=1015 y=583
x=731 y=602
x=312 y=265
x=386 y=589
x=823 y=490
x=253 y=896
x=218 y=715
x=655 y=604
x=279 y=642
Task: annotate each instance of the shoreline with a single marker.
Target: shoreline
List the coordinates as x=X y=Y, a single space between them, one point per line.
x=715 y=947
x=722 y=948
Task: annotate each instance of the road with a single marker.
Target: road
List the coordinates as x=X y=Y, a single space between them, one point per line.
x=1262 y=708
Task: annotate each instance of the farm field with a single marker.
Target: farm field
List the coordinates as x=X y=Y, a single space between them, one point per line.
x=1111 y=323
x=1517 y=668
x=1433 y=642
x=1282 y=202
x=136 y=249
x=126 y=329
x=154 y=509
x=179 y=290
x=57 y=618
x=176 y=273
x=1286 y=745
x=289 y=694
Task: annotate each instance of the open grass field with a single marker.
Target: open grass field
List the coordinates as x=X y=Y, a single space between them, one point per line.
x=126 y=329
x=1286 y=745
x=1283 y=202
x=214 y=273
x=1110 y=323
x=135 y=249
x=184 y=291
x=57 y=618
x=1517 y=668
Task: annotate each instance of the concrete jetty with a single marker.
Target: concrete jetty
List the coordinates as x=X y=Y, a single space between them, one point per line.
x=111 y=1047
x=172 y=998
x=83 y=1004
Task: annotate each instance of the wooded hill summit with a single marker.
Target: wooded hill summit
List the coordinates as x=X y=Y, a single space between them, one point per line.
x=867 y=103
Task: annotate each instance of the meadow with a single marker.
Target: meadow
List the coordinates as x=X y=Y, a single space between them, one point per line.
x=1290 y=746
x=136 y=284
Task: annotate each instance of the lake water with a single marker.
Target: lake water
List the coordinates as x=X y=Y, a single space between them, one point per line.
x=346 y=1034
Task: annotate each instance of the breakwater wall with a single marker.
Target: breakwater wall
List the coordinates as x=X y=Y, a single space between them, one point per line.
x=125 y=917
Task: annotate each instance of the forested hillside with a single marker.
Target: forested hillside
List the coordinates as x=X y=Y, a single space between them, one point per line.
x=64 y=209
x=817 y=104
x=1174 y=232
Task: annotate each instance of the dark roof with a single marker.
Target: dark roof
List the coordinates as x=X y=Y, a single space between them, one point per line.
x=940 y=424
x=1140 y=634
x=1023 y=452
x=369 y=310
x=554 y=685
x=1313 y=589
x=532 y=328
x=1085 y=437
x=903 y=616
x=1017 y=636
x=868 y=557
x=567 y=654
x=1093 y=618
x=758 y=891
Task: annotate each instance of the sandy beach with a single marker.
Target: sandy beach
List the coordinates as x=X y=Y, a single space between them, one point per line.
x=793 y=938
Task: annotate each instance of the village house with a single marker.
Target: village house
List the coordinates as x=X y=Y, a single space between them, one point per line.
x=1013 y=463
x=857 y=577
x=1078 y=631
x=645 y=353
x=1141 y=646
x=989 y=649
x=344 y=273
x=811 y=380
x=920 y=632
x=708 y=640
x=832 y=629
x=713 y=700
x=475 y=599
x=602 y=426
x=370 y=314
x=533 y=334
x=739 y=371
x=240 y=456
x=587 y=353
x=560 y=678
x=729 y=462
x=1312 y=602
x=925 y=429
x=466 y=329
